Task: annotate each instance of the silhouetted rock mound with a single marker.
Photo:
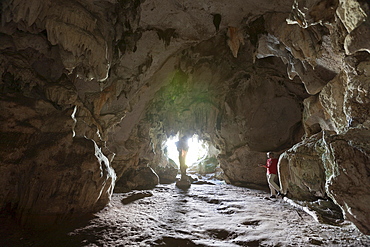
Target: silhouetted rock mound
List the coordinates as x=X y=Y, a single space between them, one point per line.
x=136 y=196
x=203 y=182
x=183 y=184
x=171 y=241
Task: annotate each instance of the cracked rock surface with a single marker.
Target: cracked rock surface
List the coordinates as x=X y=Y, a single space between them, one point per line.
x=91 y=90
x=205 y=215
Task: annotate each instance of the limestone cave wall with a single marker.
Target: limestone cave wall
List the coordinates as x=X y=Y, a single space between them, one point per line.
x=91 y=90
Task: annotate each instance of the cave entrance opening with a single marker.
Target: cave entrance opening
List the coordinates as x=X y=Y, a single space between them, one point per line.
x=197 y=154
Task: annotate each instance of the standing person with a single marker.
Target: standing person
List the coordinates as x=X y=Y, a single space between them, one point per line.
x=271 y=173
x=182 y=148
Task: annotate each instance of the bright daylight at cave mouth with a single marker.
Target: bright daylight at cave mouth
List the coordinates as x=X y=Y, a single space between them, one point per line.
x=198 y=151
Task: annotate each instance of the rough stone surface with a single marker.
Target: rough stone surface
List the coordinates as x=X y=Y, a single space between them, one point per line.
x=242 y=168
x=302 y=172
x=142 y=178
x=167 y=173
x=204 y=215
x=346 y=161
x=331 y=98
x=315 y=118
x=49 y=174
x=101 y=84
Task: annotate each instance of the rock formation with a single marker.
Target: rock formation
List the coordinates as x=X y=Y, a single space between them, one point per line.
x=91 y=90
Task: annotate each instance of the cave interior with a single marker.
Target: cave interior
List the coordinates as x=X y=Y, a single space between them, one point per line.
x=95 y=93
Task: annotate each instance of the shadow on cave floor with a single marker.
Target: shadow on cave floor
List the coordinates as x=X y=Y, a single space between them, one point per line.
x=204 y=215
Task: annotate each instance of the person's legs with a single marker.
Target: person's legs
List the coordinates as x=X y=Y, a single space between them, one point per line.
x=272 y=190
x=273 y=186
x=183 y=167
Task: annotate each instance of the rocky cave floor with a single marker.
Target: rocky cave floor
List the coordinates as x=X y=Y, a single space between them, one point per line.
x=205 y=215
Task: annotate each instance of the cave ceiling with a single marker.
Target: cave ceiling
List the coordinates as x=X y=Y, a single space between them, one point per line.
x=117 y=59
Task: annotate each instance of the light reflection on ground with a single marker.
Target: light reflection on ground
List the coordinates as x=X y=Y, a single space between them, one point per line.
x=205 y=215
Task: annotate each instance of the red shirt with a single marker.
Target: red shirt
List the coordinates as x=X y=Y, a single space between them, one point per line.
x=271 y=165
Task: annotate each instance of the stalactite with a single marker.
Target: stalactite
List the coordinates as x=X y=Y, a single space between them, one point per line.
x=235 y=40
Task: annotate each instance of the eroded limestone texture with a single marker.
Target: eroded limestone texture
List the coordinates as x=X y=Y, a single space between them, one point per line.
x=346 y=160
x=302 y=172
x=47 y=173
x=92 y=86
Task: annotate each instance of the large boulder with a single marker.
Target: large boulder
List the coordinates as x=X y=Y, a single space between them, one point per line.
x=302 y=172
x=346 y=159
x=242 y=168
x=141 y=178
x=47 y=173
x=167 y=173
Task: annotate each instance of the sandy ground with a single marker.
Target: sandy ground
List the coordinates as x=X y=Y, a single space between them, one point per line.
x=204 y=215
